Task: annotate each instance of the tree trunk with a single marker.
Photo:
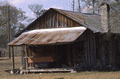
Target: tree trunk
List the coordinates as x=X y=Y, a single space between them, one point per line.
x=79 y=6
x=73 y=4
x=93 y=7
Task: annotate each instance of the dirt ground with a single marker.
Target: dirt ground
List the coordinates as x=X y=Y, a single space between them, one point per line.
x=6 y=66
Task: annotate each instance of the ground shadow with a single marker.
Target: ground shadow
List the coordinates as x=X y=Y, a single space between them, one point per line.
x=3 y=59
x=8 y=71
x=107 y=68
x=99 y=70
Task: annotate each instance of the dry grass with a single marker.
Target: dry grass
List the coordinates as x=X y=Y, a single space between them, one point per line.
x=6 y=65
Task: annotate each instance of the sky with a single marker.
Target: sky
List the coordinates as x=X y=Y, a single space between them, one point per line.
x=59 y=4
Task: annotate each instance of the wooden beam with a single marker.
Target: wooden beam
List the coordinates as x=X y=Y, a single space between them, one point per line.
x=26 y=58
x=48 y=70
x=13 y=59
x=22 y=56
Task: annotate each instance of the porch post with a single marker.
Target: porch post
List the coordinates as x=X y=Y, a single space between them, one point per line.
x=23 y=56
x=26 y=57
x=13 y=59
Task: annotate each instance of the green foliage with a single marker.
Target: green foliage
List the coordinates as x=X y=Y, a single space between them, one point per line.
x=16 y=17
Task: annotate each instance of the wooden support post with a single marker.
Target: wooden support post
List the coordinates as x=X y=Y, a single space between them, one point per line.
x=22 y=57
x=9 y=52
x=13 y=59
x=26 y=57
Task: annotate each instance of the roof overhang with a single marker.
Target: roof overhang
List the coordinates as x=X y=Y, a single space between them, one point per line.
x=48 y=36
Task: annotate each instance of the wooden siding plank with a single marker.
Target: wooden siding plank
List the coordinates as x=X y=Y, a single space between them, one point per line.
x=91 y=48
x=50 y=20
x=45 y=22
x=53 y=17
x=57 y=21
x=65 y=22
x=62 y=21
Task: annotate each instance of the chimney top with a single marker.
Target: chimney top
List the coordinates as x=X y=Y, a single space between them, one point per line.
x=105 y=3
x=105 y=9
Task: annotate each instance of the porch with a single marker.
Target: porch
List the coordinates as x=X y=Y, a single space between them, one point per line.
x=51 y=48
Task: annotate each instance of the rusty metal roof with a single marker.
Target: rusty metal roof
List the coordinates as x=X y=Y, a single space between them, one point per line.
x=91 y=21
x=48 y=36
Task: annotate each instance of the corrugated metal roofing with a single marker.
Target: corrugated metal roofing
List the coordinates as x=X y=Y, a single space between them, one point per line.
x=48 y=36
x=93 y=22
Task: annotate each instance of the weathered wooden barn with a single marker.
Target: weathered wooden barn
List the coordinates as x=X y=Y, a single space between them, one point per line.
x=67 y=39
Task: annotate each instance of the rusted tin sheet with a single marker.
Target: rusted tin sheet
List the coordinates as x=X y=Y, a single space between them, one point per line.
x=22 y=39
x=90 y=21
x=48 y=36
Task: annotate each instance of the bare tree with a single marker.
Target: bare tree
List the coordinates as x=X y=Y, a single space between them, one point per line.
x=36 y=8
x=92 y=3
x=73 y=4
x=115 y=16
x=79 y=6
x=12 y=16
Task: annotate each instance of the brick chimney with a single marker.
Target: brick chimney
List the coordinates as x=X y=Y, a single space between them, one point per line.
x=105 y=8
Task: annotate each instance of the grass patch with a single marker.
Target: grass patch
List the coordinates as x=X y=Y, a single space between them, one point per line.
x=6 y=66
